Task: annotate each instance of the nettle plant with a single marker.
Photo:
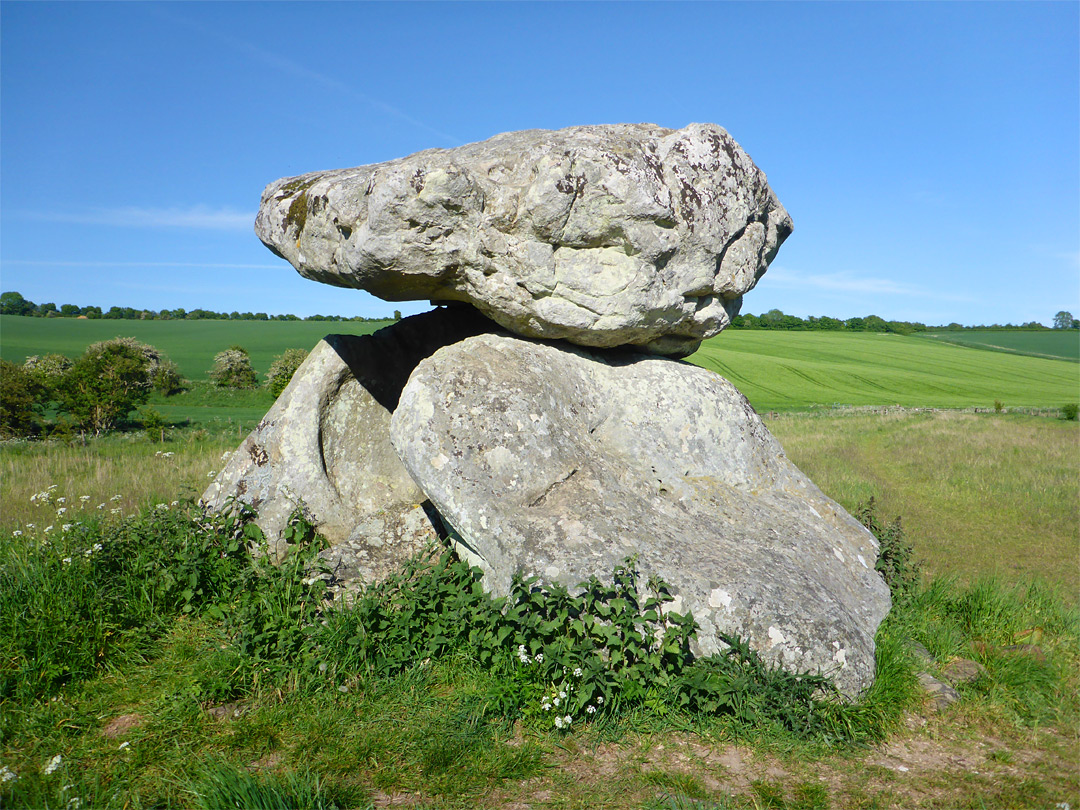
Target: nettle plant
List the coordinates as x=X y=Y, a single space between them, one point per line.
x=559 y=659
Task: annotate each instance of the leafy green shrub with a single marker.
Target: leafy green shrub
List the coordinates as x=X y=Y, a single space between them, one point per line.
x=162 y=374
x=20 y=400
x=896 y=556
x=232 y=369
x=105 y=384
x=1070 y=411
x=282 y=369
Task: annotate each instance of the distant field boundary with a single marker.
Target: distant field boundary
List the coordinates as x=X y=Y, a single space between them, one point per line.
x=971 y=340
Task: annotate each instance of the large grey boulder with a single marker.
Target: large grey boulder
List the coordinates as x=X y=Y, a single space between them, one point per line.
x=559 y=463
x=325 y=444
x=602 y=235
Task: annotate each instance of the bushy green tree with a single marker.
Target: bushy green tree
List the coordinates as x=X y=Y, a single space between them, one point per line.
x=105 y=384
x=20 y=397
x=162 y=374
x=282 y=369
x=12 y=303
x=232 y=369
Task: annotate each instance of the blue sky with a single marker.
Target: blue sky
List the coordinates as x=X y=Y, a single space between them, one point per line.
x=929 y=153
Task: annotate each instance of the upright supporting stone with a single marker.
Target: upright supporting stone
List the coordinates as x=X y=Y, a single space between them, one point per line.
x=325 y=444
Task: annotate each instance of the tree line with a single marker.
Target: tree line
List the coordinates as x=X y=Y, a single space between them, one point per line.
x=775 y=319
x=13 y=303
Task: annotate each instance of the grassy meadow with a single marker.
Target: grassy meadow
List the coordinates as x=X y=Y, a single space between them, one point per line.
x=978 y=493
x=145 y=661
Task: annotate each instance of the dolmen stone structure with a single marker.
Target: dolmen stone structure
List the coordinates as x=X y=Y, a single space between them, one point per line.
x=541 y=419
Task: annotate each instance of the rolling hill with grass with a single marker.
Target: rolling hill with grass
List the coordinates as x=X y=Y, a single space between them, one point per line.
x=792 y=370
x=776 y=370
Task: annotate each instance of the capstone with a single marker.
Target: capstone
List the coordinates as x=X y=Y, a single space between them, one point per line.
x=601 y=235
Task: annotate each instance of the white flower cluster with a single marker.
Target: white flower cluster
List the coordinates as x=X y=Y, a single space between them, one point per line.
x=45 y=496
x=558 y=699
x=163 y=454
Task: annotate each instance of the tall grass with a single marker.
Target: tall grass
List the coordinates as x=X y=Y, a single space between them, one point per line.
x=119 y=472
x=978 y=493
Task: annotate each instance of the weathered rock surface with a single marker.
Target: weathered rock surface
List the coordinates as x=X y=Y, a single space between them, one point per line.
x=325 y=442
x=602 y=235
x=559 y=463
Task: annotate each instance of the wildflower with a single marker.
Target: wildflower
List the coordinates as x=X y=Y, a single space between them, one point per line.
x=115 y=511
x=48 y=529
x=16 y=533
x=101 y=506
x=31 y=526
x=61 y=511
x=558 y=722
x=123 y=745
x=170 y=454
x=225 y=456
x=66 y=527
x=54 y=763
x=7 y=775
x=577 y=672
x=590 y=709
x=97 y=547
x=562 y=694
x=74 y=803
x=211 y=474
x=162 y=507
x=84 y=498
x=568 y=720
x=175 y=503
x=66 y=560
x=539 y=658
x=599 y=701
x=524 y=656
x=114 y=498
x=556 y=701
x=61 y=500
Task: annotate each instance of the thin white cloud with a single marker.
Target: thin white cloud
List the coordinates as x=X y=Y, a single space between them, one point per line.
x=198 y=217
x=849 y=283
x=290 y=66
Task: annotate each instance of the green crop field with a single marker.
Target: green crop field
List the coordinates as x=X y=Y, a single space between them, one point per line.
x=1062 y=345
x=776 y=370
x=793 y=370
x=190 y=344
